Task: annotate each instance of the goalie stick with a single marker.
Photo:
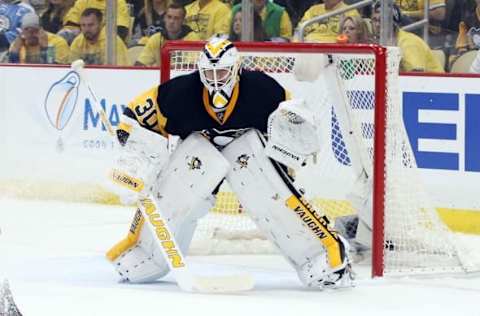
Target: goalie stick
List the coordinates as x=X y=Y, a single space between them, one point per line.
x=165 y=238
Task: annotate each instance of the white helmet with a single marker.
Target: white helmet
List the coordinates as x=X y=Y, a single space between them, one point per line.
x=218 y=65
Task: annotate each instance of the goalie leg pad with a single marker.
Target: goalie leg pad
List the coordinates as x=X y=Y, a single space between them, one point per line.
x=303 y=236
x=184 y=194
x=136 y=259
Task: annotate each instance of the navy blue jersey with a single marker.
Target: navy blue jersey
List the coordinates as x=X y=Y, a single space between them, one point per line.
x=181 y=106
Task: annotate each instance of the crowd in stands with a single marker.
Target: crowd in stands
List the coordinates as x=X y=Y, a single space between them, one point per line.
x=60 y=31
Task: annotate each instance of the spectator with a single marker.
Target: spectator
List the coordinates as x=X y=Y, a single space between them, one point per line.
x=184 y=2
x=469 y=27
x=71 y=21
x=174 y=30
x=208 y=18
x=236 y=27
x=364 y=11
x=135 y=6
x=475 y=67
x=416 y=54
x=276 y=22
x=327 y=30
x=453 y=15
x=151 y=18
x=52 y=19
x=414 y=11
x=36 y=46
x=296 y=8
x=38 y=5
x=355 y=30
x=10 y=22
x=90 y=44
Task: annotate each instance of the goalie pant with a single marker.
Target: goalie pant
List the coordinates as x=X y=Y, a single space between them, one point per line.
x=318 y=254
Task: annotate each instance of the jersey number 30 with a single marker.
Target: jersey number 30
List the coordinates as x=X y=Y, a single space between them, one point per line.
x=146 y=113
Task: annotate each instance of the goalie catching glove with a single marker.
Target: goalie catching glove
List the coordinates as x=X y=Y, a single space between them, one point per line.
x=292 y=134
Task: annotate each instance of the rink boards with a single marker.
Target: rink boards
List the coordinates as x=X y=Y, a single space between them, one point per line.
x=55 y=146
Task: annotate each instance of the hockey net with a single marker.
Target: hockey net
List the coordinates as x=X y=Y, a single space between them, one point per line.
x=408 y=237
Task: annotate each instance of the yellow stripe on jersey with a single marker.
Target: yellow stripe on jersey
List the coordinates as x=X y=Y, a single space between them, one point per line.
x=126 y=127
x=147 y=112
x=230 y=106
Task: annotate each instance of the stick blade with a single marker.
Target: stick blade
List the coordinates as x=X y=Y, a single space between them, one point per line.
x=223 y=284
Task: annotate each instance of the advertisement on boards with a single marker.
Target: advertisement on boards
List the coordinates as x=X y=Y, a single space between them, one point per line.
x=53 y=132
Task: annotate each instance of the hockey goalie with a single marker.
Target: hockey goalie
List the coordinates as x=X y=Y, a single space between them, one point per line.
x=230 y=124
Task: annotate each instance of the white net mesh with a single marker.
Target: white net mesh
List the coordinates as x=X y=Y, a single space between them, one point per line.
x=416 y=240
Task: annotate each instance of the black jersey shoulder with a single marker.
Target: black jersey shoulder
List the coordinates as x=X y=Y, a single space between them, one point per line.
x=178 y=82
x=260 y=81
x=176 y=93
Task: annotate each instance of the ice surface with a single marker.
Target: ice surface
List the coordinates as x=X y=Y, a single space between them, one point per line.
x=53 y=256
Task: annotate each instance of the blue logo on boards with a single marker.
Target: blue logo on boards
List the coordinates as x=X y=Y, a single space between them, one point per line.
x=60 y=102
x=413 y=103
x=91 y=118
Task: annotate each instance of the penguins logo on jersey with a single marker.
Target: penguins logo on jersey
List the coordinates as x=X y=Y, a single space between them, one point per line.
x=194 y=163
x=242 y=160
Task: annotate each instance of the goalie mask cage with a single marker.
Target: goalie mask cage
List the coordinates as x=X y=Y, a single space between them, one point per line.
x=363 y=138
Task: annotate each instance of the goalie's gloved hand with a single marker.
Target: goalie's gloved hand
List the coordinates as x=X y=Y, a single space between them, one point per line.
x=292 y=134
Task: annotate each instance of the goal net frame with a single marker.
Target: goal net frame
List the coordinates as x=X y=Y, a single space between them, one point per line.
x=380 y=76
x=408 y=237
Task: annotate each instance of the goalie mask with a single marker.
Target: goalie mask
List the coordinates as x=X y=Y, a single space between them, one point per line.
x=218 y=65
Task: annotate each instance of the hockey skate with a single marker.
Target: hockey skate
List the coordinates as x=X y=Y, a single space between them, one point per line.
x=317 y=273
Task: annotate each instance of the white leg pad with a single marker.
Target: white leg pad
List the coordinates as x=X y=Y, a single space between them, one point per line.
x=270 y=198
x=184 y=193
x=143 y=262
